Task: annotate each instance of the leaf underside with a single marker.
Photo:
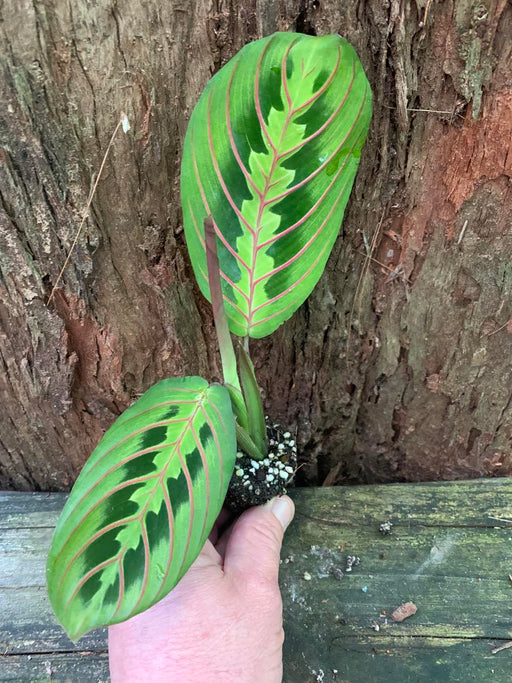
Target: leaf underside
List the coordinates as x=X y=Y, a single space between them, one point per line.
x=143 y=505
x=271 y=153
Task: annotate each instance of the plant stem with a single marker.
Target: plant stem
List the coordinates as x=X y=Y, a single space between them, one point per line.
x=227 y=352
x=252 y=396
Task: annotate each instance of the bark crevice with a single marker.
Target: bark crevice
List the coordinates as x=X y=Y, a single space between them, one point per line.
x=408 y=380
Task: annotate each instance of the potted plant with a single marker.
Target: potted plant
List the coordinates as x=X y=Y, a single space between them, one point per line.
x=269 y=160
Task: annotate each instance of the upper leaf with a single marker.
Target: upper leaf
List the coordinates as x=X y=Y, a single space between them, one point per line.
x=271 y=153
x=143 y=505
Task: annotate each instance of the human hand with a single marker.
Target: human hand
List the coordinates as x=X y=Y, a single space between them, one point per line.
x=223 y=622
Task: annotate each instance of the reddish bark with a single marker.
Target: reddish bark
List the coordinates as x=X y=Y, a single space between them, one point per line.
x=393 y=371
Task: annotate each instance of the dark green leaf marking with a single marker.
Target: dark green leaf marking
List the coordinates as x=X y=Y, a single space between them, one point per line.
x=132 y=563
x=119 y=506
x=157 y=525
x=102 y=549
x=194 y=464
x=90 y=588
x=141 y=466
x=271 y=154
x=153 y=437
x=136 y=520
x=178 y=492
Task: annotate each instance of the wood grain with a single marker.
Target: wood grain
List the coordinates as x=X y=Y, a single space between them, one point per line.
x=449 y=552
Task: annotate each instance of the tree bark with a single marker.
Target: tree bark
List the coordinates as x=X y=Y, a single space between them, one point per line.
x=398 y=366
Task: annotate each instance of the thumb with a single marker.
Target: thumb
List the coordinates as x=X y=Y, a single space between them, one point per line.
x=255 y=541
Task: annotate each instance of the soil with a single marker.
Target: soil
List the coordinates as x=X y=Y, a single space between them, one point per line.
x=255 y=482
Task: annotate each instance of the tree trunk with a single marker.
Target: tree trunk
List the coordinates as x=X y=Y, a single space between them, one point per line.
x=398 y=366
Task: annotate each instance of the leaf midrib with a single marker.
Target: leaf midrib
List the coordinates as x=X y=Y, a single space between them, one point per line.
x=127 y=520
x=276 y=158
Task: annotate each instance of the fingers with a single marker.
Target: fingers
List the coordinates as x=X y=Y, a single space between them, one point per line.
x=223 y=540
x=207 y=557
x=210 y=555
x=254 y=544
x=221 y=523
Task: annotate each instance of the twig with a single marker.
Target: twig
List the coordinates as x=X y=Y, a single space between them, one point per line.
x=501 y=519
x=462 y=231
x=397 y=272
x=332 y=475
x=505 y=646
x=427 y=111
x=425 y=14
x=393 y=271
x=123 y=121
x=500 y=328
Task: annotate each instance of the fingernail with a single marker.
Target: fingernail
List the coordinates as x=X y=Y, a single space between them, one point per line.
x=283 y=509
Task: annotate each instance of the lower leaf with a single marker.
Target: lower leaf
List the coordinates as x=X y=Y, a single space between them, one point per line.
x=143 y=505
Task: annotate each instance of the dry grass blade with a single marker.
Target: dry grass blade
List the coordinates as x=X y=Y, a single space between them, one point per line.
x=500 y=328
x=505 y=646
x=423 y=22
x=123 y=121
x=429 y=111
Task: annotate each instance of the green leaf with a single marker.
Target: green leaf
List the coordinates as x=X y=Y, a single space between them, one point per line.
x=255 y=416
x=247 y=445
x=271 y=153
x=239 y=407
x=143 y=505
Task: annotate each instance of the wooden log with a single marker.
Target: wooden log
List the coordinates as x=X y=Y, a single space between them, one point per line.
x=448 y=551
x=72 y=667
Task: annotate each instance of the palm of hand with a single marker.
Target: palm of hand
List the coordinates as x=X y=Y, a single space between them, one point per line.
x=223 y=621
